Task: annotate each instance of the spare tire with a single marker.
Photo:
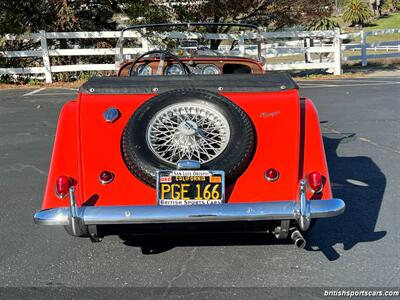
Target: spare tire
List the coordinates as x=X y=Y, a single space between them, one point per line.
x=188 y=124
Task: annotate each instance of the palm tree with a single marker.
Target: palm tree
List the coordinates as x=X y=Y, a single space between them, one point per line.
x=357 y=12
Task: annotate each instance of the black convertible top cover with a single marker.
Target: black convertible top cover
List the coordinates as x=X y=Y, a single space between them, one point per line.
x=268 y=82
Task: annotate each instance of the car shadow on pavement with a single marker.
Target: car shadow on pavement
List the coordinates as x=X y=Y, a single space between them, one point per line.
x=361 y=184
x=356 y=180
x=158 y=238
x=156 y=244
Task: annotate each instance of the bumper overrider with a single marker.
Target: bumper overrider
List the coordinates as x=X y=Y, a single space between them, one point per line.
x=301 y=210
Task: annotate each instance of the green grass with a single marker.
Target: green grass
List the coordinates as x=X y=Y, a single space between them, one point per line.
x=385 y=22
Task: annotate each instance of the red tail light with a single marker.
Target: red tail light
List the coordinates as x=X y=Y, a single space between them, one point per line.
x=314 y=180
x=271 y=174
x=62 y=186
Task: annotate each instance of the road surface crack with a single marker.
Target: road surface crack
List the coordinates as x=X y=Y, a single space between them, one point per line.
x=19 y=167
x=365 y=140
x=182 y=271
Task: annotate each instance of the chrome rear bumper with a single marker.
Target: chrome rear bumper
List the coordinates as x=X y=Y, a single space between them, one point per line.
x=301 y=210
x=282 y=210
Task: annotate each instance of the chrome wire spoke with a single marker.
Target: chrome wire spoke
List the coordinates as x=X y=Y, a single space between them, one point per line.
x=188 y=131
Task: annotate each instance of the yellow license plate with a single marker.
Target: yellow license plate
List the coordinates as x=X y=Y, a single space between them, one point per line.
x=186 y=187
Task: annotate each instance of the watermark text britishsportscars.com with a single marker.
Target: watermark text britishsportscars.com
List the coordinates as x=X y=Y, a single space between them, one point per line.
x=361 y=293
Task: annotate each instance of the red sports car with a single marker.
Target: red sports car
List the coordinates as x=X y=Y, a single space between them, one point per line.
x=190 y=132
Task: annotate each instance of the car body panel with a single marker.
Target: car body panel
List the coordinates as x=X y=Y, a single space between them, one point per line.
x=314 y=158
x=277 y=118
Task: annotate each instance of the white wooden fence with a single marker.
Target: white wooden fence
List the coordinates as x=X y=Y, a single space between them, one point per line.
x=328 y=44
x=366 y=47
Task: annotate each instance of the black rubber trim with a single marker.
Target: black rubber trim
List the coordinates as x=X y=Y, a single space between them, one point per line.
x=216 y=83
x=302 y=137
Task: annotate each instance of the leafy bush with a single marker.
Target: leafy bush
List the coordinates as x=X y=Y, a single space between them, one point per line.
x=86 y=75
x=33 y=82
x=324 y=23
x=391 y=6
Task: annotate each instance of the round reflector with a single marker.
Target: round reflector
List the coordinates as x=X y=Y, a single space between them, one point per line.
x=63 y=184
x=314 y=180
x=271 y=174
x=106 y=177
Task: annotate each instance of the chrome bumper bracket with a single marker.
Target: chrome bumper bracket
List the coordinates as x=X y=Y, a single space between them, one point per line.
x=73 y=218
x=303 y=211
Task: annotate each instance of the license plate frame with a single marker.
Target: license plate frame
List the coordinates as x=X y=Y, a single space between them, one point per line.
x=212 y=178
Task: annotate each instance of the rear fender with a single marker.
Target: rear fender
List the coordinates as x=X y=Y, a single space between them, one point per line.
x=312 y=153
x=65 y=157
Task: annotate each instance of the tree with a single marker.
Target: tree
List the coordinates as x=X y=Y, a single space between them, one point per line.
x=274 y=14
x=375 y=6
x=20 y=16
x=357 y=12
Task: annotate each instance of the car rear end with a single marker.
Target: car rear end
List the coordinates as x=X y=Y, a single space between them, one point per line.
x=110 y=165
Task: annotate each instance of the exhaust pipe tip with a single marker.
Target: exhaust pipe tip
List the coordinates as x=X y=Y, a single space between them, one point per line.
x=298 y=239
x=300 y=243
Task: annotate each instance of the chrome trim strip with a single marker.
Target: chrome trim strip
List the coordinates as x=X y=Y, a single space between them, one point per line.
x=281 y=210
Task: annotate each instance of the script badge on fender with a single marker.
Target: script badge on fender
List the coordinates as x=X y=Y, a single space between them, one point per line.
x=190 y=187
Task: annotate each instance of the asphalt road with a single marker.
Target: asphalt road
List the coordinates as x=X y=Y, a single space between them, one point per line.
x=361 y=125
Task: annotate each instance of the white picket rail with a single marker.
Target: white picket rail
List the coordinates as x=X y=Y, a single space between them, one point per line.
x=326 y=43
x=46 y=53
x=364 y=46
